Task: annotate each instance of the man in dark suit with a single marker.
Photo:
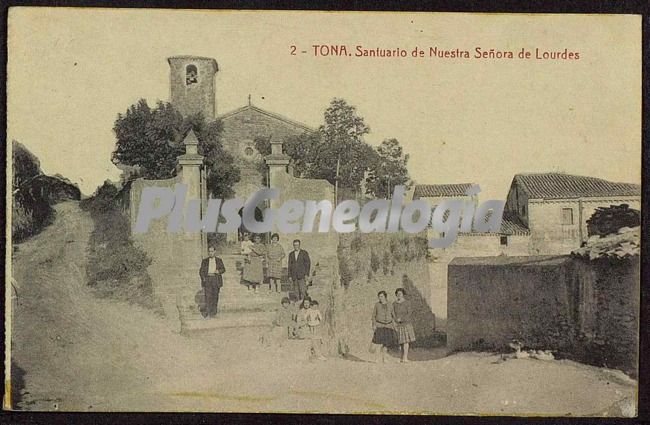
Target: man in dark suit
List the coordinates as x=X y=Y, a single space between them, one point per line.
x=298 y=268
x=211 y=270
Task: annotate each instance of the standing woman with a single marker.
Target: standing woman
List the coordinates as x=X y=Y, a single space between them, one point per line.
x=254 y=273
x=383 y=325
x=246 y=245
x=403 y=319
x=274 y=256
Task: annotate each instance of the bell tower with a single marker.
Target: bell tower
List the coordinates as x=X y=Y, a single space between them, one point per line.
x=191 y=85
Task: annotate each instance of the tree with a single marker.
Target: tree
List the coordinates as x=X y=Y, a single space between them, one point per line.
x=151 y=140
x=606 y=221
x=387 y=169
x=341 y=147
x=338 y=152
x=25 y=165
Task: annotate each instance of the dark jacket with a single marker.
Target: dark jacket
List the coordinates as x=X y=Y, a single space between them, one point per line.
x=203 y=271
x=299 y=269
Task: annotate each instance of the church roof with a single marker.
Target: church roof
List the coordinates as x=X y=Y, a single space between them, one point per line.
x=267 y=113
x=567 y=186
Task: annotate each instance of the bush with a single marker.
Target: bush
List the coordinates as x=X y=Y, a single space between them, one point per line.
x=116 y=267
x=34 y=193
x=31 y=214
x=356 y=244
x=21 y=220
x=375 y=262
x=345 y=273
x=386 y=263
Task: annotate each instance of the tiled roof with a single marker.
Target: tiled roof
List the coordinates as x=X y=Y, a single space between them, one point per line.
x=440 y=190
x=512 y=226
x=562 y=186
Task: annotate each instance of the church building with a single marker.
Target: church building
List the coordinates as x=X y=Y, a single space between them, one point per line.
x=192 y=91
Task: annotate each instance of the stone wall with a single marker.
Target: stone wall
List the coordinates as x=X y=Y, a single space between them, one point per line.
x=468 y=245
x=587 y=310
x=319 y=245
x=493 y=300
x=608 y=314
x=175 y=257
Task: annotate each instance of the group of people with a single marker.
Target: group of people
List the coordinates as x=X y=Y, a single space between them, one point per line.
x=392 y=324
x=259 y=256
x=298 y=320
x=300 y=317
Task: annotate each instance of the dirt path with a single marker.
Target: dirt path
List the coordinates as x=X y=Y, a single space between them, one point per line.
x=79 y=352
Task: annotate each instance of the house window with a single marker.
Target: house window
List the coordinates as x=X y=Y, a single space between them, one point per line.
x=504 y=240
x=567 y=215
x=191 y=75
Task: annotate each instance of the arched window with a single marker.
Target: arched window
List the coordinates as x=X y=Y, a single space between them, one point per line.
x=191 y=75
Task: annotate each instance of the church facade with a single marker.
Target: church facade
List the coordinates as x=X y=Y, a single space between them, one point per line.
x=193 y=90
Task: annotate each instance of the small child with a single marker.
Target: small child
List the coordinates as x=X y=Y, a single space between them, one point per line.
x=284 y=318
x=283 y=325
x=314 y=322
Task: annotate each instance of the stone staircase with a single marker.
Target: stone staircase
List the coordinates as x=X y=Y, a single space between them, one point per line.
x=238 y=307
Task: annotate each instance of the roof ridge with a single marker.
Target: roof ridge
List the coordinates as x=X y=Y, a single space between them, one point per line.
x=444 y=184
x=572 y=175
x=553 y=185
x=265 y=112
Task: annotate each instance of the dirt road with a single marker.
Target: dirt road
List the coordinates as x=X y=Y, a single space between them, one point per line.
x=82 y=353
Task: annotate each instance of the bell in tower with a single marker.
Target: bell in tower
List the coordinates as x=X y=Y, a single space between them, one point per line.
x=191 y=83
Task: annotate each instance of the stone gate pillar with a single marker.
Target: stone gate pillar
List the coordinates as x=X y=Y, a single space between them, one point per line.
x=187 y=250
x=190 y=174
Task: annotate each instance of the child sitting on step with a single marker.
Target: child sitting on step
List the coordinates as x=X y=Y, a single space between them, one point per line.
x=283 y=325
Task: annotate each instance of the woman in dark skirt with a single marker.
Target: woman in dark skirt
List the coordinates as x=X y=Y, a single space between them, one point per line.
x=404 y=322
x=383 y=325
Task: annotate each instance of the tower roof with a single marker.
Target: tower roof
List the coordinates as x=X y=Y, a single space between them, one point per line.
x=194 y=58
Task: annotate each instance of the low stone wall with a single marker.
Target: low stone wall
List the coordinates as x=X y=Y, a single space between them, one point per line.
x=587 y=310
x=321 y=246
x=608 y=315
x=175 y=257
x=493 y=300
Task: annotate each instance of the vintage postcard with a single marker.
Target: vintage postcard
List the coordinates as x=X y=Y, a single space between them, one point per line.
x=332 y=212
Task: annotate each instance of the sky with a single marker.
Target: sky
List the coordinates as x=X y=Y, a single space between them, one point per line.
x=72 y=70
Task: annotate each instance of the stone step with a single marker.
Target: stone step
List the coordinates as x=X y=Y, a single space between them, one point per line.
x=196 y=322
x=233 y=302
